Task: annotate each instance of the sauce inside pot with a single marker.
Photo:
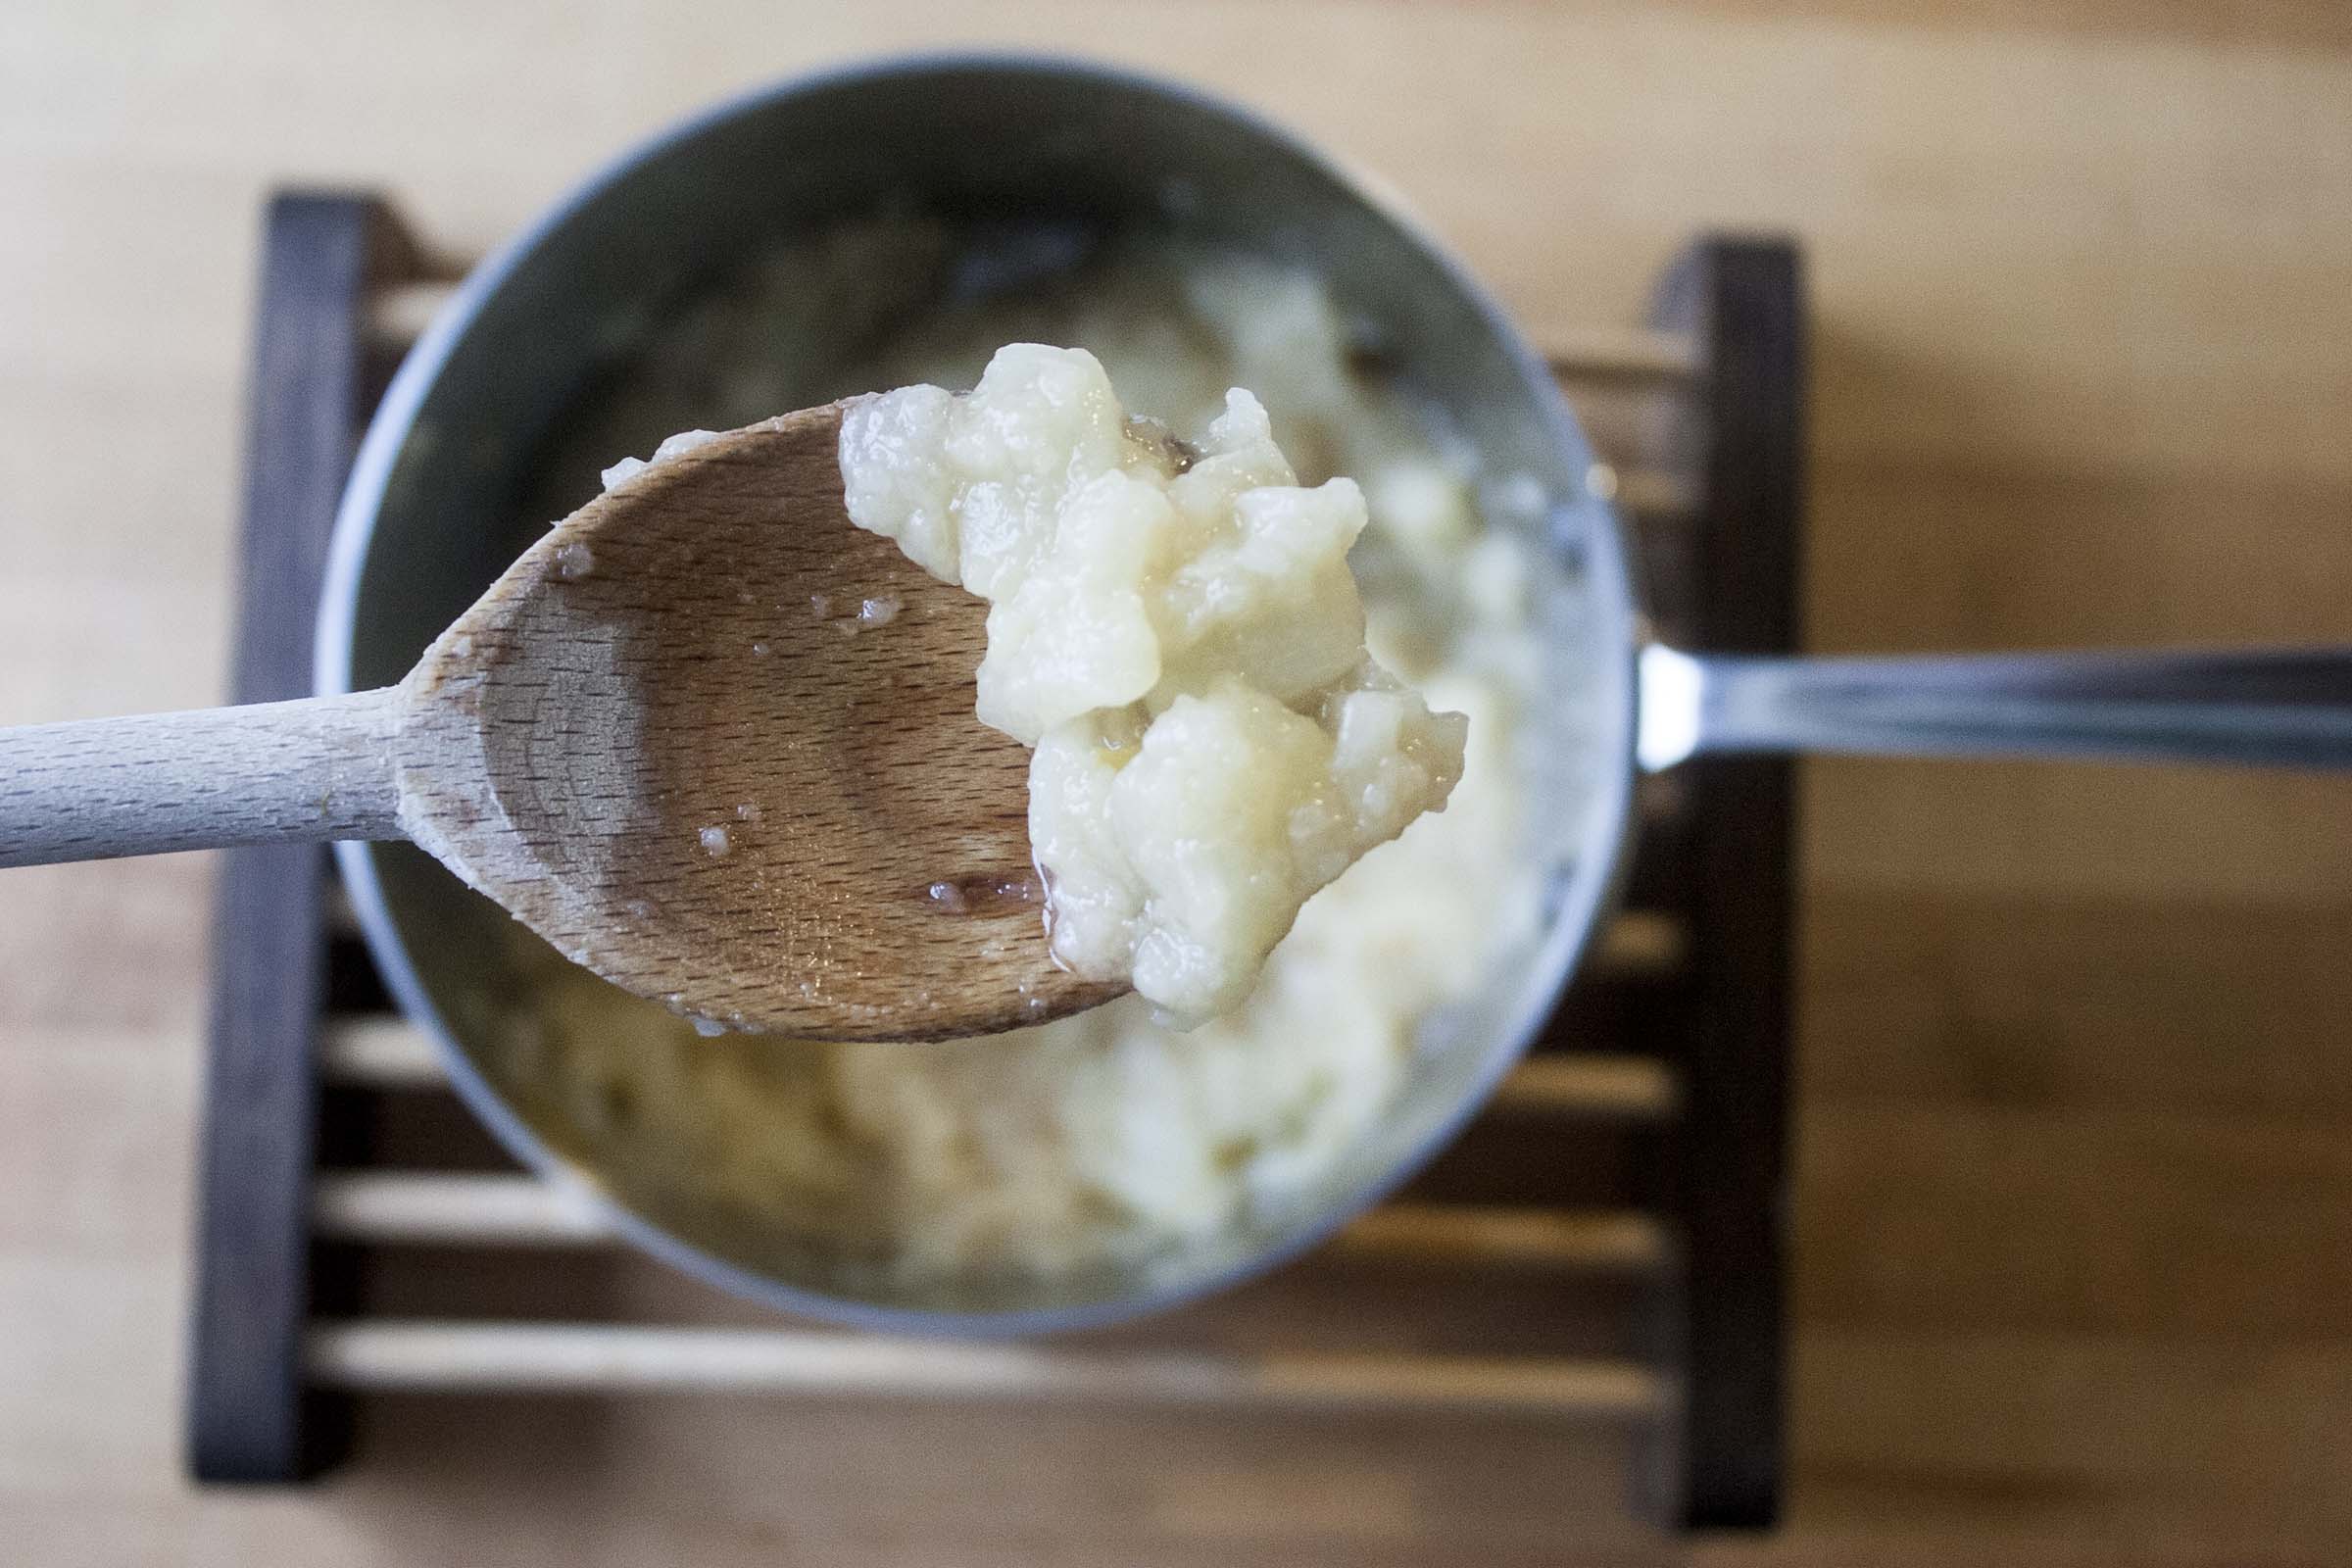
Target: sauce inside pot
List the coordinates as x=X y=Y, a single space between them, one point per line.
x=1106 y=1138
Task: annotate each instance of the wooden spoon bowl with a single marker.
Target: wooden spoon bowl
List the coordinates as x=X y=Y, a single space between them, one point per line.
x=707 y=738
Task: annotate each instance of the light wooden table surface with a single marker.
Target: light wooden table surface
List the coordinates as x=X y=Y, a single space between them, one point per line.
x=2075 y=1153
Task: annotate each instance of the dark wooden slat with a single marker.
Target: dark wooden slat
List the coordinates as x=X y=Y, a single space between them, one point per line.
x=248 y=1415
x=1724 y=1176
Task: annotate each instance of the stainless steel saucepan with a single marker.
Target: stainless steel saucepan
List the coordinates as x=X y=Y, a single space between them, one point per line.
x=1013 y=144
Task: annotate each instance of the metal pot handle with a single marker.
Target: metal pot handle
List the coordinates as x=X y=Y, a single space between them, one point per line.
x=2272 y=707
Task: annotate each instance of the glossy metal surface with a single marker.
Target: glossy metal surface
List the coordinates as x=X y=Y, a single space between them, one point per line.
x=2275 y=708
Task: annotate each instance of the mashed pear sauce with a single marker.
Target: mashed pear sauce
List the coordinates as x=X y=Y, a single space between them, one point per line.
x=1182 y=644
x=1108 y=1137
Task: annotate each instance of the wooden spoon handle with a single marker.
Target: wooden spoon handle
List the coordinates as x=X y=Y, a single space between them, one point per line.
x=272 y=772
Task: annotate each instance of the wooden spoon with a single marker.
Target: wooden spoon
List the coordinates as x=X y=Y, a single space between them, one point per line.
x=707 y=737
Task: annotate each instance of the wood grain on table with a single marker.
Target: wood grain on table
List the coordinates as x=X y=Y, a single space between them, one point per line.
x=2075 y=1134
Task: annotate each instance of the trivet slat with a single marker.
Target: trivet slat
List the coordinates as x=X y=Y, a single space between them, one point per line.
x=1743 y=302
x=1642 y=354
x=253 y=1290
x=1611 y=1220
x=1589 y=1083
x=385 y=1051
x=409 y=1207
x=476 y=1357
x=380 y=1050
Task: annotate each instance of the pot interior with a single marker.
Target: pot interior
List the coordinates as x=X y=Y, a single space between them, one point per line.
x=793 y=237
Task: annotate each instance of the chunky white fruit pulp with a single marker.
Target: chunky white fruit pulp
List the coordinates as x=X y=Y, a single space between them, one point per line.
x=1177 y=633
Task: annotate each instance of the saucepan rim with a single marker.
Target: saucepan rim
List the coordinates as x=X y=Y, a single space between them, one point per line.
x=1590 y=887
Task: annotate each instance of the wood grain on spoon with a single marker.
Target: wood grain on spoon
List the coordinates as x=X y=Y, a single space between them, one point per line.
x=668 y=742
